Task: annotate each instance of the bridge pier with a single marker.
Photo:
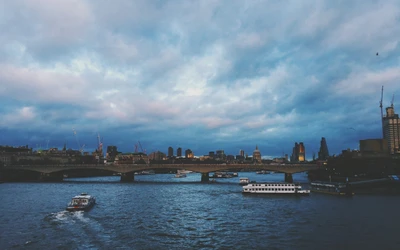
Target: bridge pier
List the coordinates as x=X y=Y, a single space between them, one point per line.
x=127 y=177
x=205 y=177
x=288 y=178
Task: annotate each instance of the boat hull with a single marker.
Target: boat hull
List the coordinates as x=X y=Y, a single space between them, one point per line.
x=332 y=192
x=80 y=208
x=277 y=194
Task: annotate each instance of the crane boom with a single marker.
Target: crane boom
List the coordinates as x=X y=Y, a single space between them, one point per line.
x=380 y=105
x=391 y=103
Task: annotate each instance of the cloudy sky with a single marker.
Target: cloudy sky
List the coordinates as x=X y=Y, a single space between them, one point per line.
x=203 y=75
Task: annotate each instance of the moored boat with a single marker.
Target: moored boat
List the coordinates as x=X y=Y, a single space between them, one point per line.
x=82 y=202
x=335 y=188
x=274 y=188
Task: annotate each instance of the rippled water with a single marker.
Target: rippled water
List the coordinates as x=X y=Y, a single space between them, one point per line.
x=162 y=212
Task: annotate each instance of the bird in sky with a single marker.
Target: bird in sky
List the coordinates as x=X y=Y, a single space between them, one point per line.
x=377 y=53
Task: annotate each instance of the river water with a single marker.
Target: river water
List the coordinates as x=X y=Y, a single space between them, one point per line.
x=163 y=212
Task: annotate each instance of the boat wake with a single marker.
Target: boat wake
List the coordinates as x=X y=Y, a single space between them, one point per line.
x=66 y=217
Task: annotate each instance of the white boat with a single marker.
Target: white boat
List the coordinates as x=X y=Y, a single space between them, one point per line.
x=262 y=172
x=180 y=175
x=274 y=188
x=244 y=181
x=82 y=202
x=184 y=171
x=145 y=172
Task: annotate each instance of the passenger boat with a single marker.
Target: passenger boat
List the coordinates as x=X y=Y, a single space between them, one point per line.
x=82 y=202
x=332 y=188
x=274 y=188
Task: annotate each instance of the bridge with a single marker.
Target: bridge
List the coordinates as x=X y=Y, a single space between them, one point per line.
x=127 y=170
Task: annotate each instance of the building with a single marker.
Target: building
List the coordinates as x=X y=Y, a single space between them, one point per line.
x=170 y=152
x=323 y=153
x=373 y=147
x=157 y=156
x=257 y=155
x=241 y=153
x=299 y=153
x=112 y=151
x=220 y=155
x=211 y=154
x=391 y=130
x=189 y=153
x=179 y=152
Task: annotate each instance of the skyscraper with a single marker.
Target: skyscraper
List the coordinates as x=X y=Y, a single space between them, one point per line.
x=179 y=152
x=391 y=130
x=241 y=153
x=299 y=153
x=323 y=153
x=170 y=152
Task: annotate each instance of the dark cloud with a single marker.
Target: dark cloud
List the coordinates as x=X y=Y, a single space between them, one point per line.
x=202 y=75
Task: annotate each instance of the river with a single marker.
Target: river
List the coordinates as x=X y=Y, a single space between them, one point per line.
x=163 y=212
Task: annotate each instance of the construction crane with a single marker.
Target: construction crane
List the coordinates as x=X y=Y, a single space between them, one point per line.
x=380 y=103
x=77 y=141
x=99 y=145
x=141 y=148
x=391 y=103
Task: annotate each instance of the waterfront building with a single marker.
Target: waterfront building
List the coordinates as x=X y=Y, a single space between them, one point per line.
x=299 y=153
x=211 y=154
x=170 y=152
x=230 y=158
x=323 y=153
x=179 y=152
x=391 y=130
x=257 y=155
x=112 y=151
x=241 y=153
x=158 y=156
x=189 y=153
x=220 y=154
x=373 y=147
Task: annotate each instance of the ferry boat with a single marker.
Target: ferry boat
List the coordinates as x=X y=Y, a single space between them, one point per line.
x=332 y=188
x=274 y=188
x=82 y=202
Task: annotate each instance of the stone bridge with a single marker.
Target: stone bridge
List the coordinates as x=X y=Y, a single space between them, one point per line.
x=127 y=170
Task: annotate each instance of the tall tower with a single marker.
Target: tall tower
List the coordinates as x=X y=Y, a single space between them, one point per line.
x=391 y=129
x=323 y=153
x=179 y=152
x=302 y=152
x=299 y=153
x=170 y=152
x=257 y=155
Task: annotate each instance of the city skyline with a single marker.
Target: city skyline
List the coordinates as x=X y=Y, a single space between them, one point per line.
x=200 y=75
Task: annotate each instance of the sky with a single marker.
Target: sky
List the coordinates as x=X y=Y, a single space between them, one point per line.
x=203 y=75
